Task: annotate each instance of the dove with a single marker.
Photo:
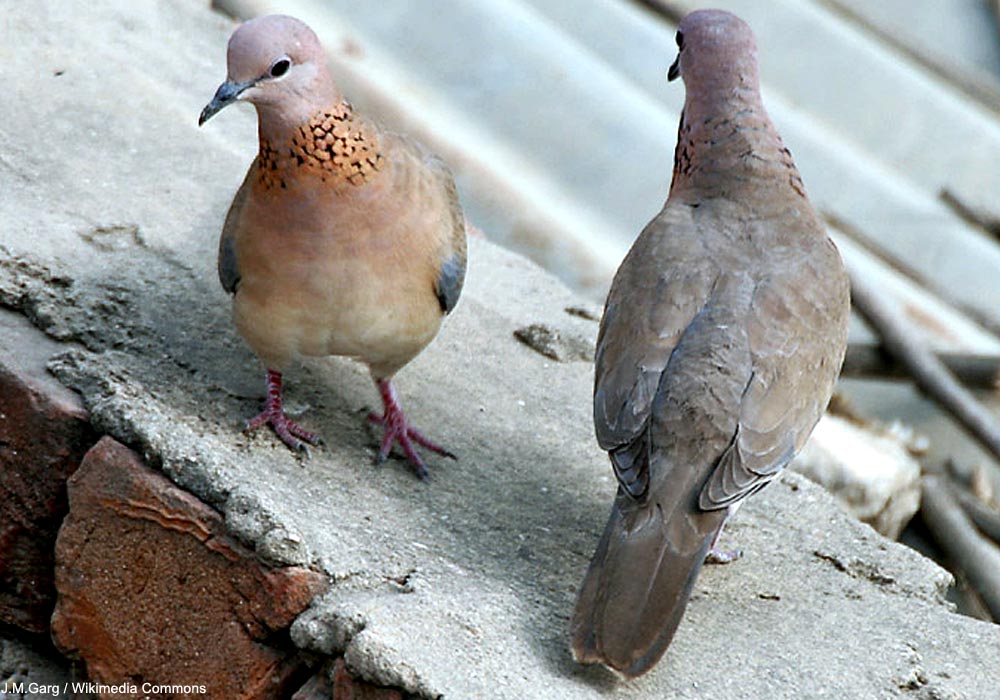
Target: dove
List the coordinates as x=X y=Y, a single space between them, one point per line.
x=344 y=238
x=722 y=338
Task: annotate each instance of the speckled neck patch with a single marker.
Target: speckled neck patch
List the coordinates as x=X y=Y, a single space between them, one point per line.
x=715 y=136
x=333 y=146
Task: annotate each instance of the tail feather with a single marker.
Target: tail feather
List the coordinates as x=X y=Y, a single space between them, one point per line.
x=638 y=584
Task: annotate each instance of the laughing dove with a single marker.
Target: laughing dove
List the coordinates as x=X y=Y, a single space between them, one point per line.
x=722 y=338
x=344 y=239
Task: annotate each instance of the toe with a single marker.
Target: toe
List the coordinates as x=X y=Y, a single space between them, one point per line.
x=723 y=556
x=429 y=444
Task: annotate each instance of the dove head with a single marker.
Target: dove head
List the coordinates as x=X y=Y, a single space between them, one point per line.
x=717 y=56
x=277 y=64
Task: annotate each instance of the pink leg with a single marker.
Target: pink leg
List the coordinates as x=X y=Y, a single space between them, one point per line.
x=397 y=429
x=273 y=415
x=723 y=556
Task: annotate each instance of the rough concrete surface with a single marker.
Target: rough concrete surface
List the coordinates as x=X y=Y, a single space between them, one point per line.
x=459 y=588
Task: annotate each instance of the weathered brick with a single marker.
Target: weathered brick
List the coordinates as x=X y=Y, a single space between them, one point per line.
x=335 y=682
x=152 y=588
x=44 y=433
x=347 y=687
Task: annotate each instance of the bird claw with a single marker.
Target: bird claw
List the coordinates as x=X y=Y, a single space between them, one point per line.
x=398 y=431
x=723 y=556
x=286 y=429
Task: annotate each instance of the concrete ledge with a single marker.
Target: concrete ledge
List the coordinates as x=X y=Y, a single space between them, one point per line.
x=460 y=588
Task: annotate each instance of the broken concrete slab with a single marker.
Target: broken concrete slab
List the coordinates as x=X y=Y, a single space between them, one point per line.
x=462 y=587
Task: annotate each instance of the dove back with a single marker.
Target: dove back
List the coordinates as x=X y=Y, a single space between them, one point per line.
x=721 y=341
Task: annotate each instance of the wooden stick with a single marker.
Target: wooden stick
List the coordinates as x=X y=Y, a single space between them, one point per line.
x=868 y=360
x=928 y=372
x=984 y=517
x=978 y=560
x=968 y=600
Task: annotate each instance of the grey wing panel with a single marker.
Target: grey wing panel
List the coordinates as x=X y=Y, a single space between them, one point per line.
x=797 y=335
x=654 y=298
x=658 y=291
x=451 y=278
x=450 y=281
x=229 y=272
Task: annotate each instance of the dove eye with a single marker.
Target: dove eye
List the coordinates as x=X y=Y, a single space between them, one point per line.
x=680 y=39
x=280 y=67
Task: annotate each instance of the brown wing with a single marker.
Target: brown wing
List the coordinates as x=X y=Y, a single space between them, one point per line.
x=452 y=253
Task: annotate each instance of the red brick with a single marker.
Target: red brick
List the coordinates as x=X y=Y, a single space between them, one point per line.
x=152 y=588
x=44 y=433
x=335 y=682
x=319 y=687
x=347 y=687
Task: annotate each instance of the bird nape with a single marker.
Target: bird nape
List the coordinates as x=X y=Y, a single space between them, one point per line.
x=344 y=238
x=722 y=338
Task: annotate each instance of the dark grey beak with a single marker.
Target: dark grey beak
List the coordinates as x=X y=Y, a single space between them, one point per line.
x=227 y=93
x=675 y=69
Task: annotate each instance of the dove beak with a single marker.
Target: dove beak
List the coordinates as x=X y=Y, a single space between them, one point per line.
x=227 y=93
x=675 y=69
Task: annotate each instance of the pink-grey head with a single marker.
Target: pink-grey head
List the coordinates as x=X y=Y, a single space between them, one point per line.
x=717 y=51
x=274 y=62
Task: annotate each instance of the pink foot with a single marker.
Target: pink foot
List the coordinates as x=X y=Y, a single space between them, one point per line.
x=273 y=415
x=723 y=556
x=397 y=430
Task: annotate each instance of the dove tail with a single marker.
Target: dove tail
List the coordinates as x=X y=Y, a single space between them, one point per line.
x=638 y=584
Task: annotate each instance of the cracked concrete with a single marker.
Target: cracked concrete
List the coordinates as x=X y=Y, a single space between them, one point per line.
x=458 y=588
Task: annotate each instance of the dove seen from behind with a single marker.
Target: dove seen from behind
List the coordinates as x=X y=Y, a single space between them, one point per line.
x=344 y=238
x=722 y=337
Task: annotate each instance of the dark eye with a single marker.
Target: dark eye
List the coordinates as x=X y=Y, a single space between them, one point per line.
x=280 y=67
x=680 y=39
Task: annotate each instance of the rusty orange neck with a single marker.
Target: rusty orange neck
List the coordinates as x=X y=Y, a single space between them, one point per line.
x=334 y=146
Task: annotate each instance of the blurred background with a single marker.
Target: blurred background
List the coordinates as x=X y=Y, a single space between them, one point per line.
x=560 y=127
